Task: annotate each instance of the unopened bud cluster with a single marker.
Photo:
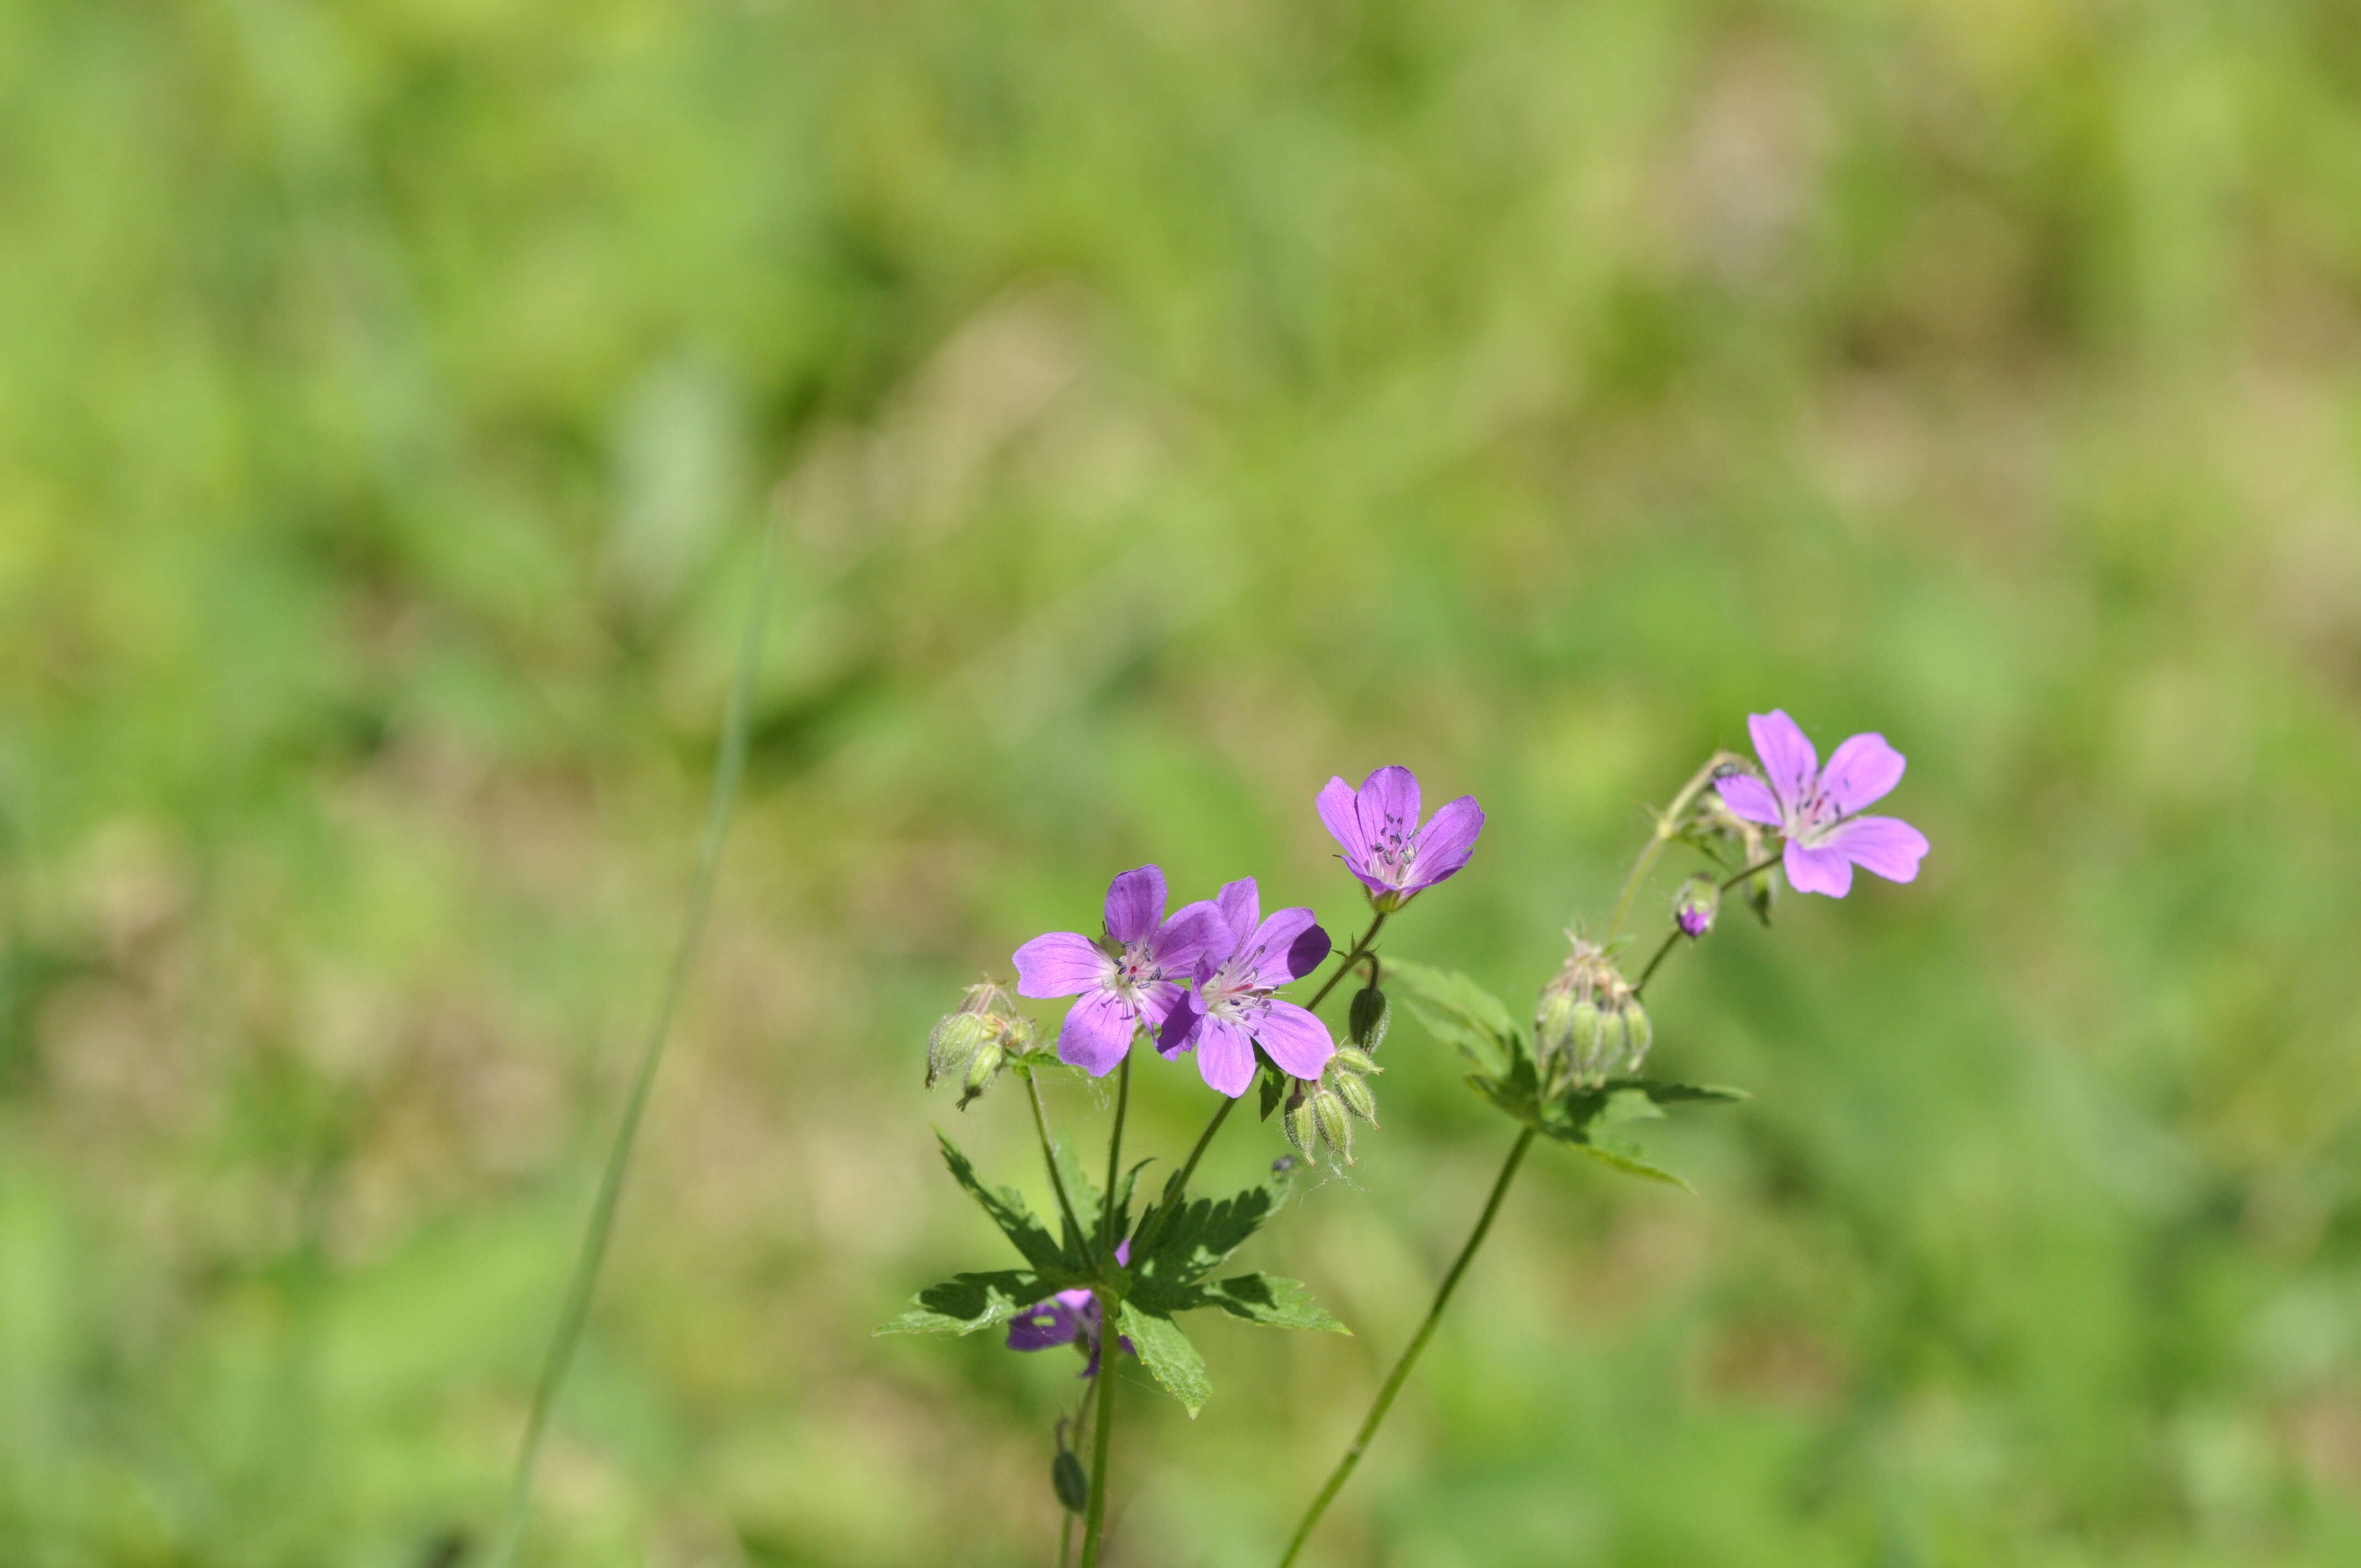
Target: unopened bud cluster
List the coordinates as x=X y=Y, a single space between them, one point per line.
x=1589 y=1026
x=974 y=1044
x=1325 y=1110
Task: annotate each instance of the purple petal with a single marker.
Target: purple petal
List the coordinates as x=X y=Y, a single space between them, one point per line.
x=1886 y=845
x=1751 y=799
x=1819 y=871
x=1096 y=1033
x=1225 y=1057
x=1308 y=953
x=1446 y=843
x=1274 y=944
x=1863 y=769
x=1340 y=813
x=1788 y=757
x=1156 y=1000
x=1047 y=1323
x=1388 y=806
x=1135 y=905
x=1180 y=1026
x=1241 y=905
x=1060 y=964
x=1297 y=1040
x=1196 y=938
x=1123 y=1255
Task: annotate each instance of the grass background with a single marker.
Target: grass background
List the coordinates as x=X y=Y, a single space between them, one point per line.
x=1167 y=407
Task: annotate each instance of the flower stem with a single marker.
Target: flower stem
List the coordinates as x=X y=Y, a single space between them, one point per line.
x=1394 y=1380
x=1049 y=1159
x=1668 y=823
x=1110 y=1302
x=575 y=1314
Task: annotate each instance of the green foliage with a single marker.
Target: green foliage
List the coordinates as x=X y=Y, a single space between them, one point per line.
x=966 y=1302
x=1167 y=1353
x=1006 y=1208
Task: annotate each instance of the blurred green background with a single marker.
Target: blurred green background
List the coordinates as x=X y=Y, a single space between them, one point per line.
x=1167 y=407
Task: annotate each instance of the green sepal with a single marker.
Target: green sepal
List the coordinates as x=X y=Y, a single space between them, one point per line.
x=1167 y=1353
x=1460 y=1012
x=1006 y=1209
x=1270 y=1300
x=966 y=1302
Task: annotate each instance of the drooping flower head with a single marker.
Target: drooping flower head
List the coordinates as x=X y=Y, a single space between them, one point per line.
x=1068 y=1316
x=1817 y=809
x=1233 y=1009
x=1129 y=978
x=1384 y=844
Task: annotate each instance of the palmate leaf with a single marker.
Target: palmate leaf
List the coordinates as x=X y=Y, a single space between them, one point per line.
x=1460 y=1012
x=1009 y=1210
x=966 y=1302
x=1269 y=1300
x=1168 y=1356
x=1196 y=1240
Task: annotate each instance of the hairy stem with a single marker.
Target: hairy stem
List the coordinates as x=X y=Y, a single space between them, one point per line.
x=1110 y=1302
x=1049 y=1159
x=1394 y=1380
x=573 y=1315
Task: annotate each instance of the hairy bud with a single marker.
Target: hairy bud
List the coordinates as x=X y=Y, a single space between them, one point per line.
x=1371 y=1014
x=1349 y=1060
x=1641 y=1034
x=974 y=1044
x=954 y=1044
x=1693 y=909
x=981 y=1070
x=1354 y=1090
x=1328 y=1116
x=1302 y=1123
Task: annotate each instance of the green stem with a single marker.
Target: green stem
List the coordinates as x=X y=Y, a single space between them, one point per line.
x=1668 y=823
x=573 y=1315
x=1394 y=1380
x=1110 y=1303
x=1049 y=1159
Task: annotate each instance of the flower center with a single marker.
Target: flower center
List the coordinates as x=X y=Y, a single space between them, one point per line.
x=1811 y=821
x=1395 y=849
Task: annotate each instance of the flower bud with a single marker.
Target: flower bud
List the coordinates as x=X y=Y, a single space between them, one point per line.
x=1641 y=1034
x=1699 y=902
x=1302 y=1123
x=954 y=1042
x=1582 y=1034
x=1068 y=1480
x=1371 y=1014
x=989 y=1059
x=1349 y=1060
x=1553 y=1021
x=1607 y=1048
x=1354 y=1090
x=1328 y=1115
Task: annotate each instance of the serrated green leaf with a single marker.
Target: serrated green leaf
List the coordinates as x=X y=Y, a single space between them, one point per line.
x=1627 y=1104
x=1197 y=1239
x=966 y=1302
x=1270 y=1300
x=1678 y=1094
x=1007 y=1210
x=1168 y=1356
x=1460 y=1012
x=1629 y=1161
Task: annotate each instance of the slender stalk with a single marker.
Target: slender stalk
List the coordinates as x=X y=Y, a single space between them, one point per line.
x=1668 y=824
x=1360 y=947
x=1110 y=1303
x=1394 y=1380
x=1049 y=1159
x=573 y=1315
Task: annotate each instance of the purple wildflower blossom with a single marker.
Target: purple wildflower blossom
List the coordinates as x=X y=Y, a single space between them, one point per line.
x=1384 y=844
x=1817 y=809
x=1066 y=1317
x=1694 y=922
x=1233 y=1009
x=1128 y=979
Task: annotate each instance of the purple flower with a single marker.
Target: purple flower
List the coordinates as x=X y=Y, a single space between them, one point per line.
x=1694 y=922
x=1128 y=979
x=1818 y=808
x=1066 y=1317
x=1384 y=846
x=1233 y=1009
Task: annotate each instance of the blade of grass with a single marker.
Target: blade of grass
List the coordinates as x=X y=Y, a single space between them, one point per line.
x=575 y=1314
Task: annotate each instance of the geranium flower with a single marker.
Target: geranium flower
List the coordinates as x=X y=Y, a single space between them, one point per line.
x=1129 y=978
x=1817 y=809
x=1384 y=846
x=1066 y=1317
x=1233 y=1009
